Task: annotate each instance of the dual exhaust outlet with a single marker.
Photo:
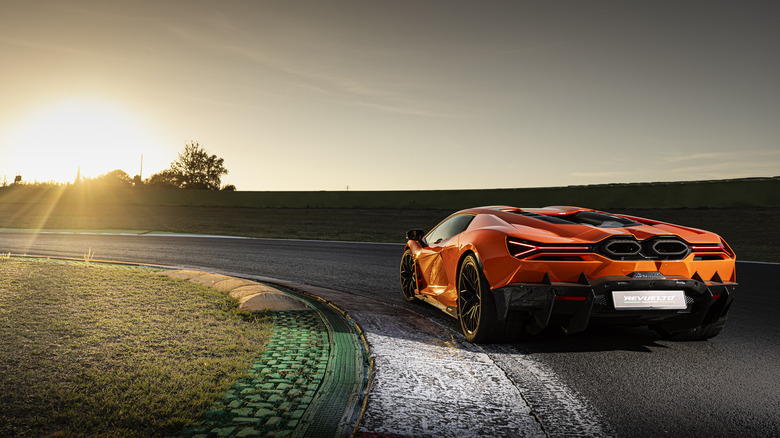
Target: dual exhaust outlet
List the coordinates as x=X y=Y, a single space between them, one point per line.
x=657 y=248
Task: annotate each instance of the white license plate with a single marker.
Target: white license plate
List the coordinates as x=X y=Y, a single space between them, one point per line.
x=649 y=299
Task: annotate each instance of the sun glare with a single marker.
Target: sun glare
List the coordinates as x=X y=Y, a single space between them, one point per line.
x=92 y=138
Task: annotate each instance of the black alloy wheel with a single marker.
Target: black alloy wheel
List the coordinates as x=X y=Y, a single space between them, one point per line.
x=408 y=277
x=476 y=310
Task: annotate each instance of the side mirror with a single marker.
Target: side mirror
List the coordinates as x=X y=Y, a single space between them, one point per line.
x=415 y=235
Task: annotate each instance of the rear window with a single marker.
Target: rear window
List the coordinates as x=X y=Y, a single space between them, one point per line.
x=593 y=218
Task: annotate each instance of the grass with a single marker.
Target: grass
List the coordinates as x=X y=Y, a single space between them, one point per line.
x=98 y=350
x=747 y=192
x=88 y=256
x=371 y=225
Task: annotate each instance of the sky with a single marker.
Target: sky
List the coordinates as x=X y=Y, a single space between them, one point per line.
x=393 y=95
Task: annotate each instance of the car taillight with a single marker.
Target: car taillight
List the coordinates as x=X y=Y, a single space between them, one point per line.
x=727 y=249
x=523 y=249
x=721 y=247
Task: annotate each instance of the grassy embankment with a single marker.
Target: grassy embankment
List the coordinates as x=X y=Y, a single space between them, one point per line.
x=744 y=212
x=102 y=350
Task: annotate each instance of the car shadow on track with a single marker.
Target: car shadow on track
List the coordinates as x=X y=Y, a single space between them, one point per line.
x=552 y=340
x=594 y=339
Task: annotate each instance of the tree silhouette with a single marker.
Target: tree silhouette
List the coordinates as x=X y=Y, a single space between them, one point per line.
x=164 y=179
x=196 y=169
x=116 y=178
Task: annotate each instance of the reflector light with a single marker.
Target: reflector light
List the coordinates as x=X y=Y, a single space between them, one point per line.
x=715 y=296
x=571 y=298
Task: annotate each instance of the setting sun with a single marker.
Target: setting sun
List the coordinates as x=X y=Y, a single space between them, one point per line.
x=57 y=142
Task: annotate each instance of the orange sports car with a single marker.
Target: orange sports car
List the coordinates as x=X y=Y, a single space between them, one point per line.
x=504 y=270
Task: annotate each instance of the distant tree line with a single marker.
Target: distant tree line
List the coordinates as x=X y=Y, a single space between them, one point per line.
x=194 y=169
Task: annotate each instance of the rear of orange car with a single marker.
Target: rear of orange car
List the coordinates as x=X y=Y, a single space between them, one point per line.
x=577 y=267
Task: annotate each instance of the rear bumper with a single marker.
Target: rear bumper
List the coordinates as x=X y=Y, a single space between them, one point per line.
x=575 y=306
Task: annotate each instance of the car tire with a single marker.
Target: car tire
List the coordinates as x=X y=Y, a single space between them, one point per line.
x=700 y=333
x=408 y=277
x=476 y=308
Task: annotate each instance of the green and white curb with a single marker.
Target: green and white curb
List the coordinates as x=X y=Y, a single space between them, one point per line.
x=282 y=383
x=310 y=382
